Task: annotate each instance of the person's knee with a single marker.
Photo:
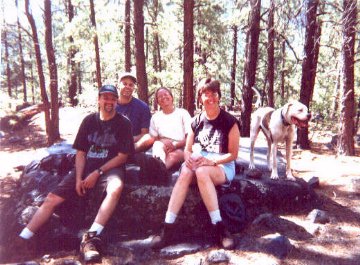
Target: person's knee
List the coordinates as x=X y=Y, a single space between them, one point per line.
x=51 y=201
x=185 y=178
x=202 y=175
x=114 y=188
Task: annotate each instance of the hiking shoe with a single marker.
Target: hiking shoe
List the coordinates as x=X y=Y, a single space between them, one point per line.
x=156 y=168
x=224 y=237
x=165 y=237
x=89 y=247
x=24 y=247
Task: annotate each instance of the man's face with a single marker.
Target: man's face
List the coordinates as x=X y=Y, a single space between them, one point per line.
x=107 y=103
x=126 y=87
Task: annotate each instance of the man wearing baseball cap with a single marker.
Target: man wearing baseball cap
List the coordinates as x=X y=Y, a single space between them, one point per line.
x=134 y=109
x=102 y=144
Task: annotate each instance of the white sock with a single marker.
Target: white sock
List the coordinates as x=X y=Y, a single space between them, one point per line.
x=26 y=233
x=96 y=228
x=170 y=217
x=215 y=216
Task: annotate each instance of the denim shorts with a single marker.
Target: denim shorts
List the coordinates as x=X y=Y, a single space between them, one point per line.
x=229 y=168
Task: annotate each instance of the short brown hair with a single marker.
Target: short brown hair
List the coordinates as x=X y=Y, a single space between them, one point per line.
x=205 y=84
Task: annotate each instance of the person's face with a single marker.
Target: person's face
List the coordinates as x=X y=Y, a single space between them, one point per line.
x=210 y=98
x=126 y=87
x=164 y=98
x=107 y=103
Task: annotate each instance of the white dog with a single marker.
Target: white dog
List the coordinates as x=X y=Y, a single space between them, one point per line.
x=278 y=126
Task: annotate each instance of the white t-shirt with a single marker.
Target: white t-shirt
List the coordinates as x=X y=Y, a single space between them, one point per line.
x=173 y=126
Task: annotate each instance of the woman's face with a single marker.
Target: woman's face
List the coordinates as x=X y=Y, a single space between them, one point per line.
x=210 y=98
x=164 y=98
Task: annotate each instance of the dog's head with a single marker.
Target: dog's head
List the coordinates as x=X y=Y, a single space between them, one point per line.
x=297 y=113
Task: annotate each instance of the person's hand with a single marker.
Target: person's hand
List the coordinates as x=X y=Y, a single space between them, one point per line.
x=90 y=181
x=194 y=161
x=80 y=189
x=168 y=146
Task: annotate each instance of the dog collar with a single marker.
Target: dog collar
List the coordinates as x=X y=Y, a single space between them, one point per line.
x=283 y=120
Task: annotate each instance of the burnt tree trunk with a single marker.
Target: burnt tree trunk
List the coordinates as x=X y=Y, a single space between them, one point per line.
x=127 y=36
x=54 y=116
x=188 y=57
x=40 y=70
x=72 y=82
x=96 y=44
x=233 y=67
x=282 y=72
x=21 y=56
x=308 y=66
x=270 y=55
x=250 y=66
x=346 y=133
x=139 y=51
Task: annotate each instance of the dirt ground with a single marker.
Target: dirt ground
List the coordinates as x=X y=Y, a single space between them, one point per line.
x=337 y=242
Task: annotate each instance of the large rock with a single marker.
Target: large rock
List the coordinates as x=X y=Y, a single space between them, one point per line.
x=143 y=204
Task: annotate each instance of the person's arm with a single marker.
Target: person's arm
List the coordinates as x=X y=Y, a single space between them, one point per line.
x=144 y=143
x=80 y=160
x=143 y=132
x=90 y=181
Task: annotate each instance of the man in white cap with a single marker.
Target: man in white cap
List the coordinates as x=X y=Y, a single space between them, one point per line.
x=135 y=110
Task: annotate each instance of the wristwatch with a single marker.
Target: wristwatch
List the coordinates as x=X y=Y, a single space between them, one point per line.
x=100 y=171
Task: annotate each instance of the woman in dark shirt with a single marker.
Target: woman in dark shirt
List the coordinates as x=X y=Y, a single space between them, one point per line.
x=210 y=153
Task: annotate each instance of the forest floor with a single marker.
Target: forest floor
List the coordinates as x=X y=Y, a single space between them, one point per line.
x=337 y=242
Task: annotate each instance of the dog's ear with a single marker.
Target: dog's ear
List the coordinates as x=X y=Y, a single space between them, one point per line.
x=287 y=107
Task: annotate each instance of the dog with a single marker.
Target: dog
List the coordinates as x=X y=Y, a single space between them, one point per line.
x=278 y=126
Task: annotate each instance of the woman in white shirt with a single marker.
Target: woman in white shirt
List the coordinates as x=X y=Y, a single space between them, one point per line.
x=168 y=128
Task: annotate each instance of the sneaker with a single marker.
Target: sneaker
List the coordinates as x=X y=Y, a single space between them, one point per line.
x=166 y=234
x=89 y=247
x=224 y=237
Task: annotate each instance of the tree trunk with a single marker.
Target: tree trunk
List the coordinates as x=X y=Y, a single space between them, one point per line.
x=127 y=36
x=335 y=103
x=21 y=56
x=72 y=82
x=96 y=44
x=233 y=68
x=270 y=55
x=54 y=117
x=188 y=57
x=282 y=72
x=139 y=51
x=346 y=133
x=32 y=78
x=8 y=70
x=309 y=66
x=39 y=65
x=250 y=66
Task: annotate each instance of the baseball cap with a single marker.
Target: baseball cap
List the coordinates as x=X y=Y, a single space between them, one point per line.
x=127 y=74
x=109 y=89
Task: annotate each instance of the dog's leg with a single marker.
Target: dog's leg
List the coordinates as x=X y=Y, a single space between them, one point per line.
x=253 y=135
x=268 y=154
x=274 y=171
x=289 y=141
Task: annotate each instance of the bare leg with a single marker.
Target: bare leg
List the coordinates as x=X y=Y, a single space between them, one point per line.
x=107 y=207
x=174 y=158
x=180 y=190
x=207 y=179
x=45 y=211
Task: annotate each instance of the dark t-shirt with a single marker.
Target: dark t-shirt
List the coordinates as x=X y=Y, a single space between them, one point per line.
x=137 y=112
x=213 y=135
x=103 y=140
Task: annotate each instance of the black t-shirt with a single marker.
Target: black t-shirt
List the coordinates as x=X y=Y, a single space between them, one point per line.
x=213 y=135
x=103 y=140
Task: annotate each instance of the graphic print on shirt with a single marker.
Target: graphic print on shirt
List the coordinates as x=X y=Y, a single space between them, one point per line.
x=210 y=140
x=100 y=144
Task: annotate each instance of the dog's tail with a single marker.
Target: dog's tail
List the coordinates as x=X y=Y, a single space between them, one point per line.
x=258 y=97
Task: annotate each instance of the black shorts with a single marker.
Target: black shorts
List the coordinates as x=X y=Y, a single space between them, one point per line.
x=67 y=187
